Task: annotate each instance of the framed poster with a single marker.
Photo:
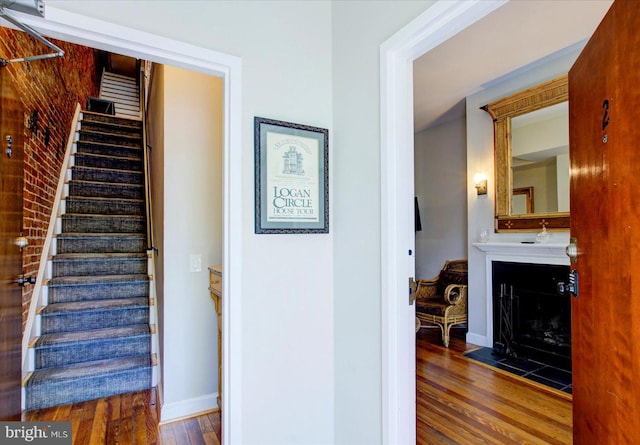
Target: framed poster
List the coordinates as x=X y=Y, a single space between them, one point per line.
x=292 y=177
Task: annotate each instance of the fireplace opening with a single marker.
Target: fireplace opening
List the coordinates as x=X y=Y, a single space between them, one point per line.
x=530 y=320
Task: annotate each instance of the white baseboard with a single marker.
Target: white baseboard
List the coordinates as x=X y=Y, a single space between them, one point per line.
x=188 y=408
x=480 y=340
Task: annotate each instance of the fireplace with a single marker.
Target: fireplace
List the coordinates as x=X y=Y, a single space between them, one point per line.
x=530 y=319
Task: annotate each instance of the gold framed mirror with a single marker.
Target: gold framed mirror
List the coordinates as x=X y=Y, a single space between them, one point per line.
x=542 y=151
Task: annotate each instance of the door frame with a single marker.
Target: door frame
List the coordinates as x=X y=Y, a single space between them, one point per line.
x=82 y=30
x=437 y=24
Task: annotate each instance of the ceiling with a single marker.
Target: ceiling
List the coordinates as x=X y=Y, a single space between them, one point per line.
x=513 y=36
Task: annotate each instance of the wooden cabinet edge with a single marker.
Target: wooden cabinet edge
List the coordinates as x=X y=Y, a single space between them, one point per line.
x=215 y=289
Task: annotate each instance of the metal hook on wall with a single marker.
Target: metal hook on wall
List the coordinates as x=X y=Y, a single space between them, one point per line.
x=33 y=122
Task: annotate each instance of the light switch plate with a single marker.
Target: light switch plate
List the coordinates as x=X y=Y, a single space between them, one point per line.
x=195 y=263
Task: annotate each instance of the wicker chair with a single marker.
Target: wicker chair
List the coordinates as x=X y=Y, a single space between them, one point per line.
x=443 y=299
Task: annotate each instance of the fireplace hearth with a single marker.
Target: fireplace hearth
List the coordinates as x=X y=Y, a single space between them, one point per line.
x=531 y=321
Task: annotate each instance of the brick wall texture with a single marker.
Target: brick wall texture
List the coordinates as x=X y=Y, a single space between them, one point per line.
x=53 y=87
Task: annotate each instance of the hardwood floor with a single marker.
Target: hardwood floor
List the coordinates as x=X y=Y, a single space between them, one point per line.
x=203 y=429
x=459 y=401
x=129 y=419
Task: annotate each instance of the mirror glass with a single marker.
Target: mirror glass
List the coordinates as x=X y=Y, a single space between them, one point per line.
x=540 y=161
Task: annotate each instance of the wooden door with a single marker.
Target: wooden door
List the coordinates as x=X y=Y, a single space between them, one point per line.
x=11 y=174
x=604 y=100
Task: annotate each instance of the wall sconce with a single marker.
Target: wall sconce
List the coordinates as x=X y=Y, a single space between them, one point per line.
x=480 y=180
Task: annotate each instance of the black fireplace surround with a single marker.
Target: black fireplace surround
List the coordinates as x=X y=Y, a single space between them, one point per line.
x=530 y=319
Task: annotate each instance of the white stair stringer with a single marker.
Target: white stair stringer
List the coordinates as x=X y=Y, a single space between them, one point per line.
x=40 y=290
x=153 y=319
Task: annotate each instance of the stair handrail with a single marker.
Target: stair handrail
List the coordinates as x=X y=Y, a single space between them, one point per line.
x=144 y=77
x=145 y=149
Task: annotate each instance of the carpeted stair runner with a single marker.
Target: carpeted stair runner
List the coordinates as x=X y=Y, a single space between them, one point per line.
x=95 y=338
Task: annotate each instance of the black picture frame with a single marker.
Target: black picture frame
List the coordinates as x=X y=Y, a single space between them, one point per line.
x=291 y=177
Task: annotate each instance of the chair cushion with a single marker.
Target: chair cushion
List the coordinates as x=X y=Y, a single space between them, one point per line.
x=430 y=307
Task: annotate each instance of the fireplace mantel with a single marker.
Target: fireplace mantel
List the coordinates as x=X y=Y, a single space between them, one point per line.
x=554 y=252
x=517 y=252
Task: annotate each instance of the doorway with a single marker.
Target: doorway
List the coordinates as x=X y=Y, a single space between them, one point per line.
x=126 y=41
x=438 y=24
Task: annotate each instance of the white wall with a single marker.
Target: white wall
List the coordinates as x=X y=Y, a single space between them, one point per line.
x=480 y=209
x=288 y=292
x=562 y=161
x=358 y=30
x=193 y=135
x=440 y=167
x=186 y=124
x=548 y=134
x=542 y=176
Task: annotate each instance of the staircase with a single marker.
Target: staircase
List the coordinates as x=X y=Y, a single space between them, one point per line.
x=95 y=326
x=123 y=92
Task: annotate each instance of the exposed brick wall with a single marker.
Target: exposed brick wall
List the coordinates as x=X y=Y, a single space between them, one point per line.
x=53 y=87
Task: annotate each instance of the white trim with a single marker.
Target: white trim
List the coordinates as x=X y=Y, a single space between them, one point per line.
x=543 y=250
x=552 y=253
x=95 y=33
x=154 y=320
x=437 y=24
x=187 y=408
x=232 y=260
x=480 y=340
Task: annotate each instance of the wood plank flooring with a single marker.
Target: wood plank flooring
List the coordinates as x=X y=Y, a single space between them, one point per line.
x=127 y=419
x=459 y=401
x=204 y=429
